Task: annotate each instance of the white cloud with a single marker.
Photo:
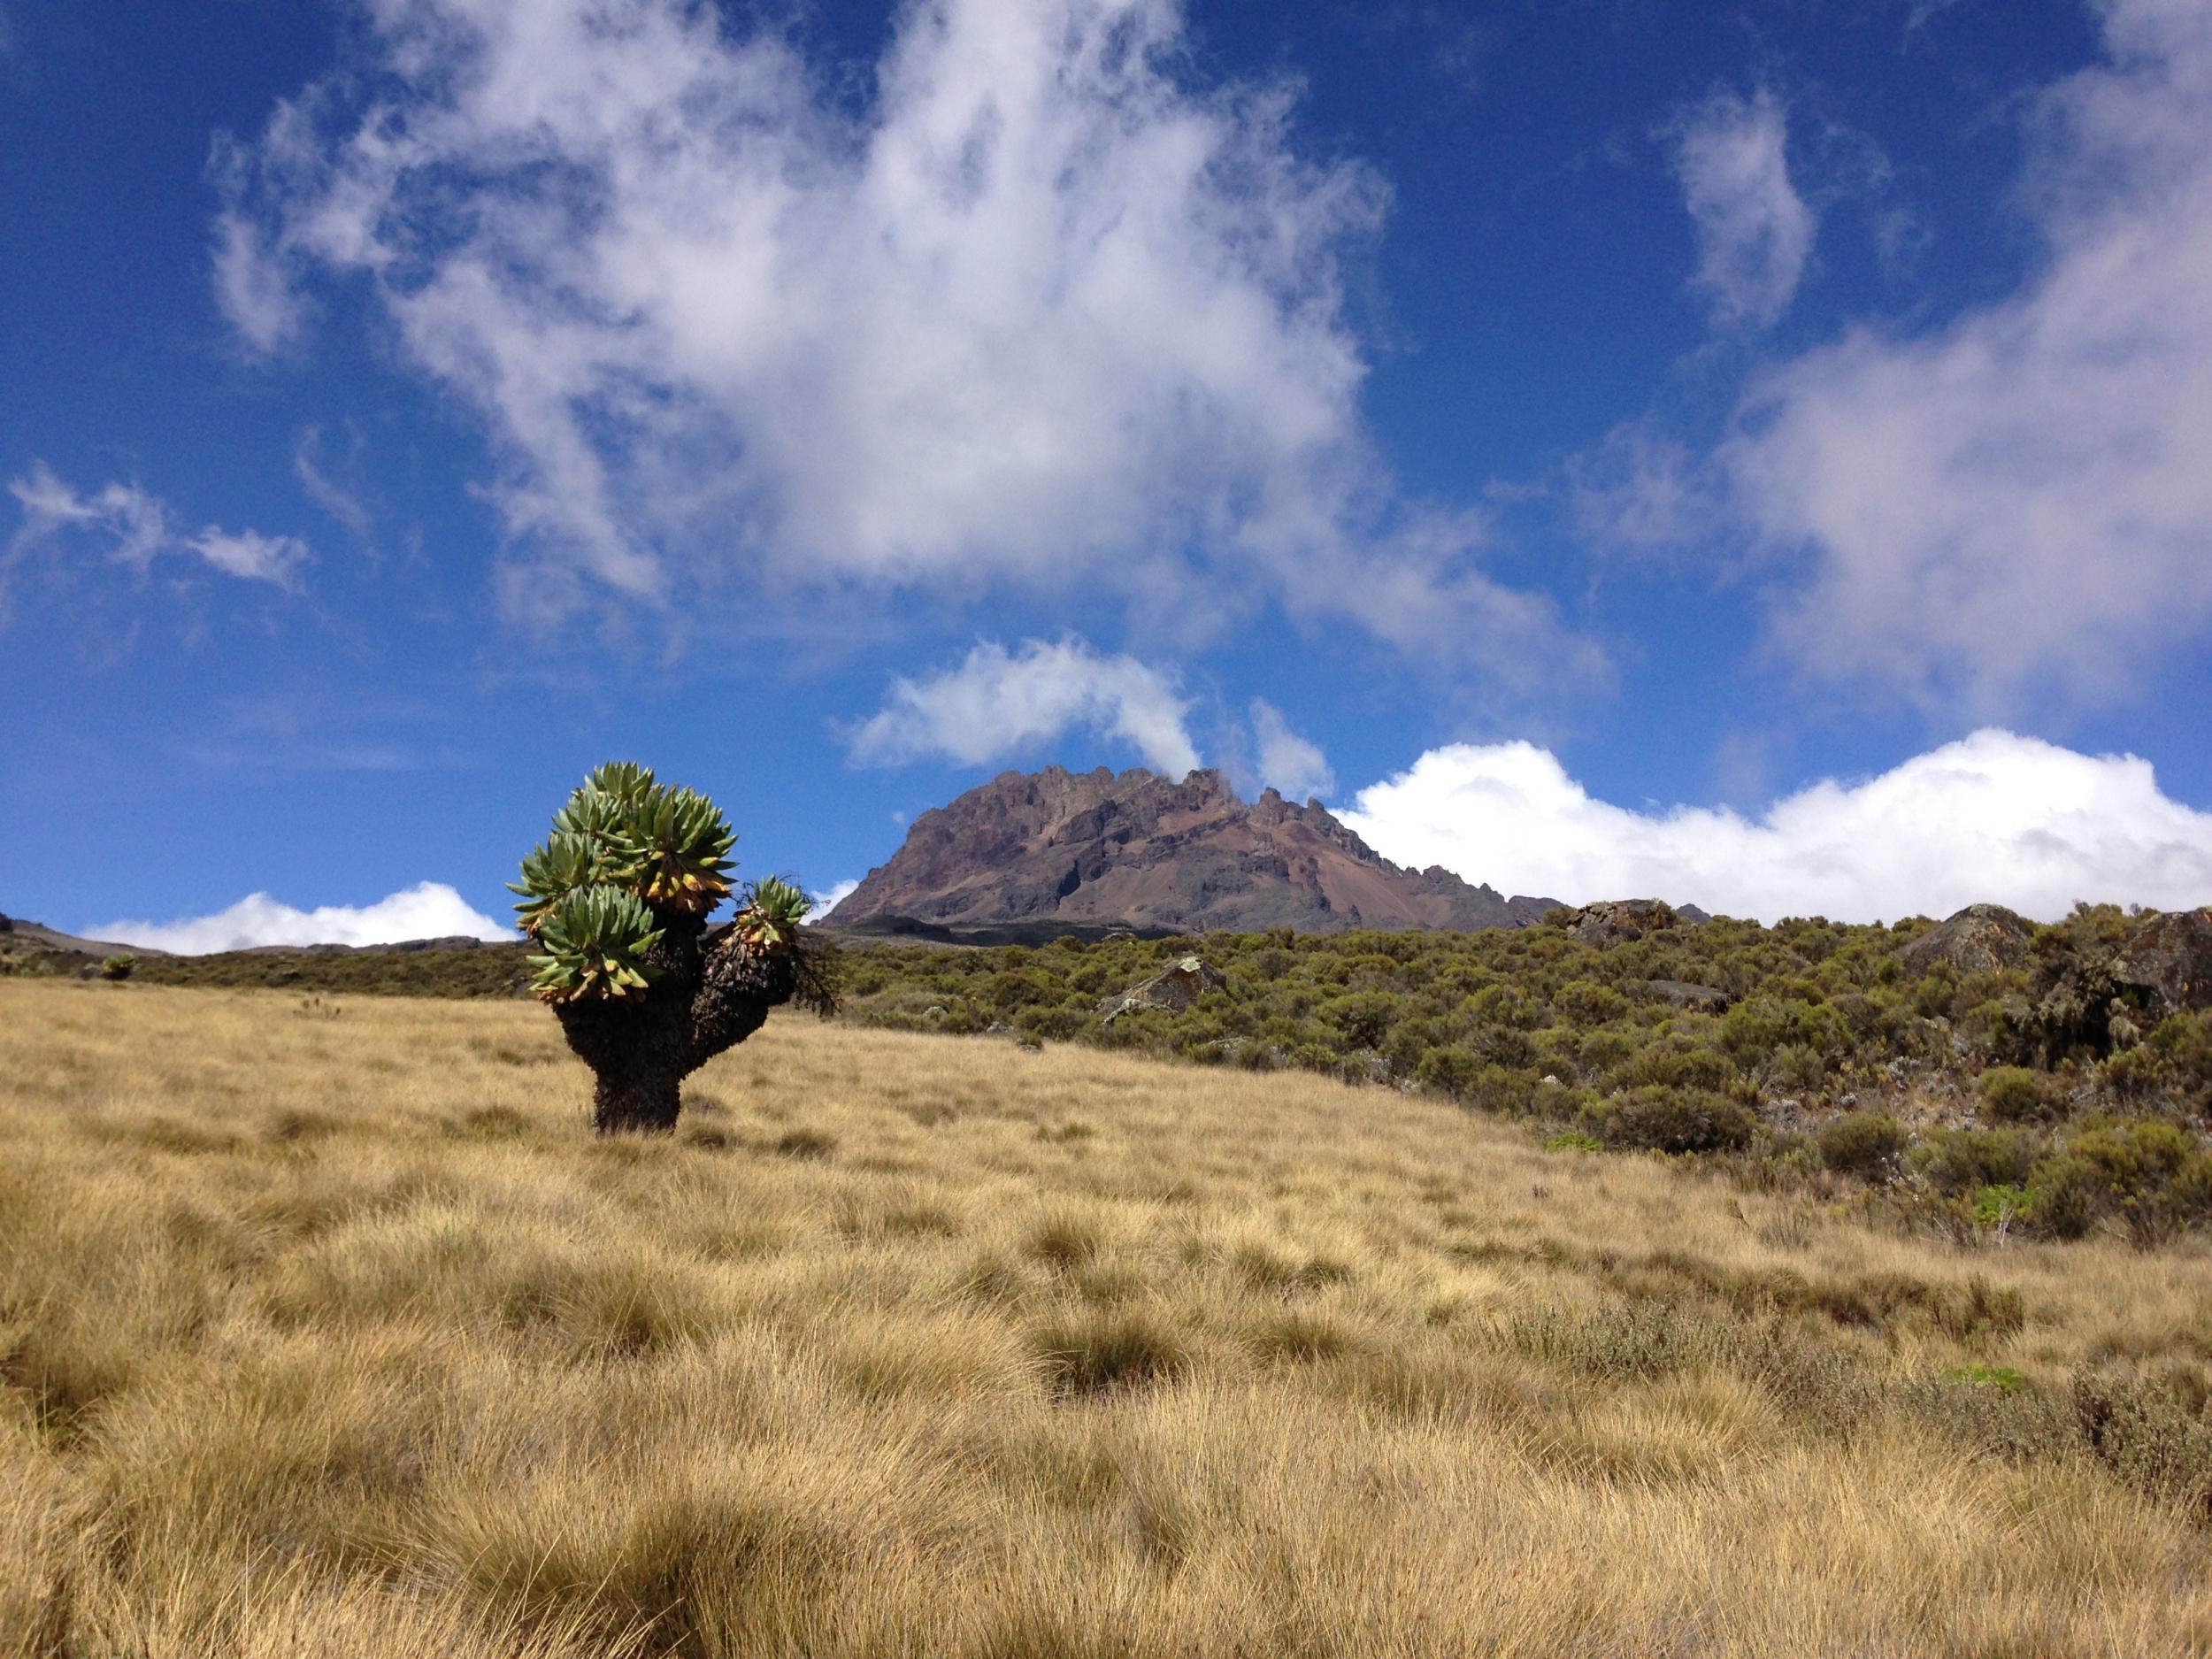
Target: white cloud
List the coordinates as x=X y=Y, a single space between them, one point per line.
x=820 y=904
x=1293 y=767
x=429 y=910
x=1992 y=816
x=250 y=554
x=334 y=498
x=1640 y=491
x=253 y=288
x=139 y=527
x=136 y=522
x=2021 y=502
x=1043 y=310
x=1755 y=232
x=996 y=704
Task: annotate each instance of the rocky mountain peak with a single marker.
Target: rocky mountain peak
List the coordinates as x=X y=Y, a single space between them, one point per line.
x=1137 y=848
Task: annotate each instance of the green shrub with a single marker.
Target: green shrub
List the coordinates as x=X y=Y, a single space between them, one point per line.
x=1606 y=1050
x=1863 y=1143
x=118 y=967
x=1662 y=1120
x=2148 y=1174
x=1587 y=1003
x=1679 y=1065
x=1954 y=1160
x=1797 y=1067
x=1449 y=1070
x=1363 y=1019
x=2014 y=1095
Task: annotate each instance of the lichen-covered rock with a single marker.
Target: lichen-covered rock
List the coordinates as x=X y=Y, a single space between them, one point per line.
x=1981 y=939
x=1618 y=921
x=1681 y=994
x=2168 y=961
x=1174 y=988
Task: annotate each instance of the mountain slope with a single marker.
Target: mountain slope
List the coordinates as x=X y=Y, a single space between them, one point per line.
x=1140 y=849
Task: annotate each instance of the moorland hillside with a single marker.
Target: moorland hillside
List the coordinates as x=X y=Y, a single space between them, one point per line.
x=330 y=1327
x=1977 y=1075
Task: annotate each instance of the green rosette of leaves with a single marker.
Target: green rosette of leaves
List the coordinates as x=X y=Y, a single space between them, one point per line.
x=595 y=941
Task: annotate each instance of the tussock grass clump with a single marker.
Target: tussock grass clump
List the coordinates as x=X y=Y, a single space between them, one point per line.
x=346 y=1337
x=1094 y=1350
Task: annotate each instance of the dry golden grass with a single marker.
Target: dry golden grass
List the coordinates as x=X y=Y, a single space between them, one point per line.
x=339 y=1334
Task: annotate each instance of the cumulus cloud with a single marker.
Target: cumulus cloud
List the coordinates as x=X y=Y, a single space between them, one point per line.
x=139 y=527
x=998 y=704
x=2020 y=502
x=429 y=910
x=1993 y=816
x=1755 y=232
x=1043 y=310
x=1286 y=761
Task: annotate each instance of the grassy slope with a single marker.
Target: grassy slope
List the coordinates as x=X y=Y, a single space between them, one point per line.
x=340 y=1331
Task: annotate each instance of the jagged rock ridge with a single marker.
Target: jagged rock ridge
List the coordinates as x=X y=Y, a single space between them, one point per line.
x=1143 y=850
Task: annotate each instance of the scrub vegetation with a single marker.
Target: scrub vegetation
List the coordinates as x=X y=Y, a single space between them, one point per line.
x=328 y=1325
x=1807 y=1054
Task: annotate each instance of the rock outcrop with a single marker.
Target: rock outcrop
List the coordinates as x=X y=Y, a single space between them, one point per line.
x=1173 y=988
x=1981 y=939
x=1680 y=993
x=2160 y=964
x=1619 y=921
x=1138 y=850
x=2167 y=962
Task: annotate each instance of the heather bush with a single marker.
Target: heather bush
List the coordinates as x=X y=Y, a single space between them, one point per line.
x=1658 y=1119
x=1863 y=1143
x=2015 y=1094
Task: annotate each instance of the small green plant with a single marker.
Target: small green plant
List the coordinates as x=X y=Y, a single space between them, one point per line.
x=1999 y=1209
x=1573 y=1141
x=119 y=967
x=2003 y=1378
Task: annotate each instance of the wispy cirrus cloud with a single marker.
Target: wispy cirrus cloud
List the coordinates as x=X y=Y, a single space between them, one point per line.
x=138 y=527
x=1046 y=311
x=313 y=471
x=1754 y=231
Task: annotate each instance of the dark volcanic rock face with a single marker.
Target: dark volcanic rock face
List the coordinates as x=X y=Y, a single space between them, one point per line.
x=1137 y=848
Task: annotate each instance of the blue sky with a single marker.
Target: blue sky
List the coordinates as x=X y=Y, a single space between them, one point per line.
x=1750 y=453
